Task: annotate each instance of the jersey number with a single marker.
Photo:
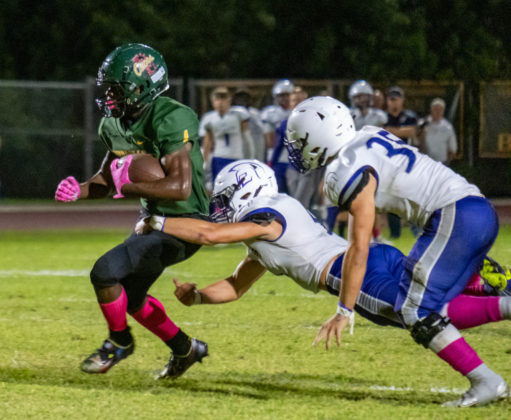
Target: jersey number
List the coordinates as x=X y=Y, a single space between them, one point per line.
x=393 y=149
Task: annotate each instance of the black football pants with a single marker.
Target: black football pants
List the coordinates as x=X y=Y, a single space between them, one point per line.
x=138 y=262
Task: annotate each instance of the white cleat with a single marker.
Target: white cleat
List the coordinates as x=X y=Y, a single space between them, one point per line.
x=481 y=393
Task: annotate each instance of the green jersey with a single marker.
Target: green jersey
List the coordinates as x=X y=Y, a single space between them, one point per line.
x=165 y=126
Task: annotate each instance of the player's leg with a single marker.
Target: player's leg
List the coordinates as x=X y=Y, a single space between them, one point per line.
x=113 y=301
x=151 y=254
x=452 y=246
x=467 y=311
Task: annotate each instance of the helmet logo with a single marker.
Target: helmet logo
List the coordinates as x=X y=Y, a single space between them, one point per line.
x=142 y=62
x=243 y=177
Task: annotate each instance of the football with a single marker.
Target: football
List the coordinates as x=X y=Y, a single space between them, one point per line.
x=145 y=168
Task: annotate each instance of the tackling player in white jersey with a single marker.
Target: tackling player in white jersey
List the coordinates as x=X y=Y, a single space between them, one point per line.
x=281 y=236
x=372 y=170
x=225 y=131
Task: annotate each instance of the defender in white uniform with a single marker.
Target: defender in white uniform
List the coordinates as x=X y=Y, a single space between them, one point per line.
x=281 y=236
x=373 y=170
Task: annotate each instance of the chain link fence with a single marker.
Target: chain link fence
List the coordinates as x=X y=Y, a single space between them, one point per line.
x=48 y=130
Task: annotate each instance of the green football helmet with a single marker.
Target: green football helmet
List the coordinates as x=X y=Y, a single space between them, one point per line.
x=130 y=77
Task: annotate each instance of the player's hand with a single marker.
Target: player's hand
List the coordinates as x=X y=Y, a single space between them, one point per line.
x=332 y=328
x=185 y=292
x=120 y=176
x=143 y=227
x=68 y=190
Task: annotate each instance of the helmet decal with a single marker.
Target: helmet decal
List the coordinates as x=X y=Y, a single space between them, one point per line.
x=142 y=62
x=242 y=176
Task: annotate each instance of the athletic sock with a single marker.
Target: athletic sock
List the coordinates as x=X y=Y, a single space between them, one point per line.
x=505 y=307
x=451 y=347
x=122 y=338
x=115 y=312
x=475 y=286
x=471 y=311
x=155 y=319
x=180 y=343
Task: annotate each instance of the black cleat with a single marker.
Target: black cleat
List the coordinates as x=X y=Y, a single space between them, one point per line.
x=179 y=364
x=107 y=356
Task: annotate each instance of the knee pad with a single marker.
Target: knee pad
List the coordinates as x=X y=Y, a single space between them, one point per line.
x=111 y=267
x=425 y=329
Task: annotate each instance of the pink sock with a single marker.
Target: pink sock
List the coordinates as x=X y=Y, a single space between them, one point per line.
x=460 y=356
x=471 y=311
x=153 y=317
x=475 y=286
x=115 y=312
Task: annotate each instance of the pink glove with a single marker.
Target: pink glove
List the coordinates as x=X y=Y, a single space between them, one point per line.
x=119 y=169
x=68 y=190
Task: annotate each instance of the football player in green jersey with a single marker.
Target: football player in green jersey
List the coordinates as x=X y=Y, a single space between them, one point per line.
x=137 y=119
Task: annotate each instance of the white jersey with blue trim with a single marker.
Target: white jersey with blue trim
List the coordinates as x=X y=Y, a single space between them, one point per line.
x=226 y=130
x=303 y=249
x=373 y=116
x=272 y=116
x=410 y=184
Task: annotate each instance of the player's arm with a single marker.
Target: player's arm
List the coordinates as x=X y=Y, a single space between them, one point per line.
x=207 y=233
x=404 y=132
x=361 y=207
x=176 y=185
x=362 y=211
x=223 y=291
x=97 y=186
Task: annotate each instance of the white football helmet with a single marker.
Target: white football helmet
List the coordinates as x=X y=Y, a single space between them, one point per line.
x=282 y=86
x=316 y=130
x=236 y=185
x=361 y=94
x=359 y=87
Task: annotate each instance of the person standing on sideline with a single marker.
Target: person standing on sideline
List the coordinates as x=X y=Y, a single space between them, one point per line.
x=137 y=119
x=243 y=98
x=225 y=131
x=272 y=117
x=437 y=135
x=403 y=124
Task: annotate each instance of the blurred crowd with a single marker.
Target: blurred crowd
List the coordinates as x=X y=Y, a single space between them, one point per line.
x=234 y=129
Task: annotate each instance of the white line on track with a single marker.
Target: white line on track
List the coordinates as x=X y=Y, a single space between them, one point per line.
x=44 y=273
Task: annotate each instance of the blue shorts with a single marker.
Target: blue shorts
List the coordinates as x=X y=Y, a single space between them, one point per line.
x=380 y=287
x=451 y=248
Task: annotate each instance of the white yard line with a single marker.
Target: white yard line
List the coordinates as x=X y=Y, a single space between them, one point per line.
x=441 y=390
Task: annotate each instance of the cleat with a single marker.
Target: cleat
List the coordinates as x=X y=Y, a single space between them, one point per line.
x=480 y=394
x=179 y=364
x=107 y=356
x=495 y=277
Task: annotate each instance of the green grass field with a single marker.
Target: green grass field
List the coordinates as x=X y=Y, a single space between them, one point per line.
x=261 y=363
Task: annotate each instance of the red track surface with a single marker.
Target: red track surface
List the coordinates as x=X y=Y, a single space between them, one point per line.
x=65 y=216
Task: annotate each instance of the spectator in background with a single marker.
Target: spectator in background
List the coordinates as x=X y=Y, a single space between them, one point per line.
x=436 y=134
x=403 y=124
x=272 y=117
x=225 y=131
x=400 y=122
x=243 y=97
